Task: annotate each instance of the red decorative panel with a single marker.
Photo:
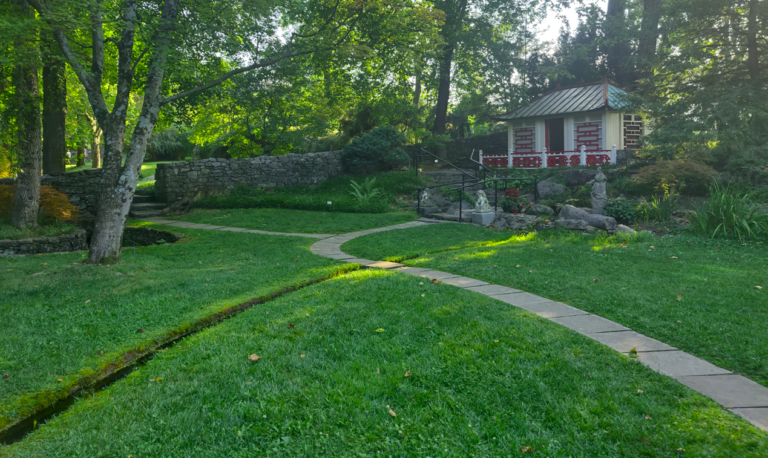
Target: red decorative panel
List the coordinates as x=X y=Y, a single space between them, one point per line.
x=599 y=159
x=495 y=161
x=524 y=140
x=527 y=161
x=588 y=134
x=632 y=132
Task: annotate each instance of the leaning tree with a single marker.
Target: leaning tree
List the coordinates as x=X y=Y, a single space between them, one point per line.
x=158 y=52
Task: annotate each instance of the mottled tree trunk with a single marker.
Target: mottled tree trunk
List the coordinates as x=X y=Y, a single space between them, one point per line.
x=443 y=92
x=95 y=145
x=120 y=182
x=417 y=90
x=54 y=113
x=29 y=150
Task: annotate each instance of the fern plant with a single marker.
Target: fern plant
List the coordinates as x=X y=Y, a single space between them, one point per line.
x=365 y=192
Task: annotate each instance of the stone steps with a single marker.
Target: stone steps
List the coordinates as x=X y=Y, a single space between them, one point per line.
x=145 y=213
x=140 y=199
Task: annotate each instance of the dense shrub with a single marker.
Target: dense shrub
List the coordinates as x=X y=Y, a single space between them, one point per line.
x=622 y=210
x=54 y=205
x=379 y=150
x=729 y=213
x=245 y=197
x=659 y=209
x=689 y=176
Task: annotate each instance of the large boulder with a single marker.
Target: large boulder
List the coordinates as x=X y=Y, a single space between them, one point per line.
x=520 y=221
x=550 y=187
x=540 y=210
x=603 y=222
x=575 y=225
x=627 y=229
x=577 y=177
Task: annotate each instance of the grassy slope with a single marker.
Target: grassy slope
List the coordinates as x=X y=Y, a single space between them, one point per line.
x=486 y=380
x=278 y=220
x=57 y=315
x=693 y=293
x=147 y=168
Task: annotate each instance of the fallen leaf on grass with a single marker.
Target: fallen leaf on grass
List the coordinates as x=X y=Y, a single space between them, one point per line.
x=455 y=259
x=392 y=412
x=60 y=380
x=435 y=281
x=254 y=357
x=652 y=247
x=648 y=417
x=39 y=273
x=423 y=295
x=518 y=266
x=594 y=280
x=759 y=287
x=381 y=330
x=291 y=326
x=88 y=301
x=679 y=298
x=633 y=353
x=527 y=448
x=378 y=371
x=303 y=355
x=408 y=373
x=421 y=283
x=673 y=257
x=681 y=449
x=5 y=375
x=155 y=379
x=643 y=440
x=640 y=391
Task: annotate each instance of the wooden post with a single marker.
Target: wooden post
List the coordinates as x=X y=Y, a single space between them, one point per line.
x=613 y=155
x=544 y=157
x=583 y=155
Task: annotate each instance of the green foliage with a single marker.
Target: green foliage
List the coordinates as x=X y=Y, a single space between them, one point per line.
x=52 y=229
x=170 y=144
x=629 y=186
x=622 y=210
x=689 y=176
x=729 y=213
x=454 y=196
x=365 y=192
x=246 y=198
x=378 y=151
x=54 y=205
x=659 y=209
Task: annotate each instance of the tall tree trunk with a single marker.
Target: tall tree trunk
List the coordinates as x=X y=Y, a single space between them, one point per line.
x=27 y=198
x=120 y=182
x=649 y=36
x=80 y=156
x=619 y=58
x=753 y=60
x=54 y=112
x=443 y=91
x=95 y=145
x=417 y=90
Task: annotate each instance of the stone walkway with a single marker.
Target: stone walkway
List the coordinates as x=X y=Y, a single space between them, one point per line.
x=734 y=392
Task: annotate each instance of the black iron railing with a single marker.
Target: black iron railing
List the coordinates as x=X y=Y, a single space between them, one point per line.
x=482 y=183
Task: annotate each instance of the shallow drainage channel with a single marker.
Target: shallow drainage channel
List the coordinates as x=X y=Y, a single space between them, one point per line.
x=18 y=430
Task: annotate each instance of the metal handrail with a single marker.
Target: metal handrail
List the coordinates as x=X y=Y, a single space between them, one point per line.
x=480 y=183
x=464 y=172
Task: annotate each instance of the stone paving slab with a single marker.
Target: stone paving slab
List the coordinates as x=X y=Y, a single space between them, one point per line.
x=589 y=324
x=463 y=282
x=521 y=299
x=340 y=257
x=731 y=390
x=493 y=290
x=437 y=275
x=359 y=261
x=383 y=265
x=678 y=364
x=625 y=341
x=553 y=309
x=758 y=417
x=412 y=270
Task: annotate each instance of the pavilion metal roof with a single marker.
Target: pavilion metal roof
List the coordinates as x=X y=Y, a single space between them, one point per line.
x=575 y=99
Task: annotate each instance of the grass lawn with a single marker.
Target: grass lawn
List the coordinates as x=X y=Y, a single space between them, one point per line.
x=693 y=293
x=147 y=168
x=302 y=221
x=8 y=232
x=61 y=319
x=376 y=364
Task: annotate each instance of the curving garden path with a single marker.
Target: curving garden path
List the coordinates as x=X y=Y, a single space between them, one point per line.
x=734 y=392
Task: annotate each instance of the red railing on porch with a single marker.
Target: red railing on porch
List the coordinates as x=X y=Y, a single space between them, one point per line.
x=532 y=160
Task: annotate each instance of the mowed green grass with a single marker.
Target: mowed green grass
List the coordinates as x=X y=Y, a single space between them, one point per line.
x=62 y=319
x=693 y=293
x=376 y=363
x=301 y=221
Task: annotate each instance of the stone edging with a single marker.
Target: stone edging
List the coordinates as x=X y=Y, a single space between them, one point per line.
x=736 y=393
x=74 y=241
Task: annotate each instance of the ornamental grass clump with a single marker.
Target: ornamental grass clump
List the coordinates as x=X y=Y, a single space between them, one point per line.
x=729 y=213
x=660 y=209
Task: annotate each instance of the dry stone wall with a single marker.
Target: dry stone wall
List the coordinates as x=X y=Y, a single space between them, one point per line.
x=75 y=241
x=81 y=187
x=177 y=180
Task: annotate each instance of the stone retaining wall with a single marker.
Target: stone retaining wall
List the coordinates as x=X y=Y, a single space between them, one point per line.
x=81 y=187
x=76 y=241
x=177 y=180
